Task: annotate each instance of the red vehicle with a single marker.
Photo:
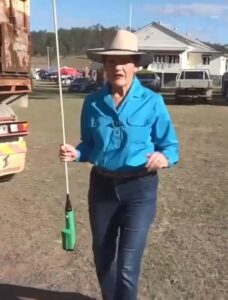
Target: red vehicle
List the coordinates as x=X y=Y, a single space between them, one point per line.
x=67 y=71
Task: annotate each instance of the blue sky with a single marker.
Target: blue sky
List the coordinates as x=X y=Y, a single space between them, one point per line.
x=205 y=19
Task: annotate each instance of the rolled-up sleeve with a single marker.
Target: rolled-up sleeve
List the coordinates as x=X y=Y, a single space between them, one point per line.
x=164 y=135
x=86 y=144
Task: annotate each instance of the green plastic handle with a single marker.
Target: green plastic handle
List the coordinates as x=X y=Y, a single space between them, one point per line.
x=69 y=233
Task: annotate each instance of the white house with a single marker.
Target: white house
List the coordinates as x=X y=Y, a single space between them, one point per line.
x=172 y=51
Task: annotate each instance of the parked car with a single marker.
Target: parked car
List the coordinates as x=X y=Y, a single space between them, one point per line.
x=52 y=76
x=149 y=79
x=82 y=85
x=42 y=74
x=66 y=80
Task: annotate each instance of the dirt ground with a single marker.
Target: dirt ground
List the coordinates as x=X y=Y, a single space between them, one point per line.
x=186 y=255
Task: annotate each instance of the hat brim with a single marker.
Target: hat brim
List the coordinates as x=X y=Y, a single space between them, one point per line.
x=98 y=55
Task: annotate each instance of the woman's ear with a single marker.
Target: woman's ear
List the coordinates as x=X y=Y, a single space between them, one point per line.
x=135 y=69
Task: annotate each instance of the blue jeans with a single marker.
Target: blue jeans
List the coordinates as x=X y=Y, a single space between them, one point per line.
x=121 y=212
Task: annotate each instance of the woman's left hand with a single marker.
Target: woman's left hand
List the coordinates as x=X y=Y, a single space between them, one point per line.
x=156 y=161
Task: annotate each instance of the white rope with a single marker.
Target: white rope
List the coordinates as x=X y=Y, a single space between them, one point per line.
x=60 y=90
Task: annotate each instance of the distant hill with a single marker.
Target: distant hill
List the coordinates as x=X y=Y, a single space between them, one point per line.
x=79 y=62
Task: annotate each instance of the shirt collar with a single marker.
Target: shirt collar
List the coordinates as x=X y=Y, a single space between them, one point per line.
x=136 y=89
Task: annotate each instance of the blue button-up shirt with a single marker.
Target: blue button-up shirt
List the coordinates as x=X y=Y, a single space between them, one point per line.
x=119 y=139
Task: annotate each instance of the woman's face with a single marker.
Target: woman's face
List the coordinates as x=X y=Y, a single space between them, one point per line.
x=120 y=70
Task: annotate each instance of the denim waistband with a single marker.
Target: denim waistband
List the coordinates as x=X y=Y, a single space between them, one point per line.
x=123 y=175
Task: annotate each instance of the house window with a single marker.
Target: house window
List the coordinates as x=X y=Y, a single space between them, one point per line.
x=159 y=58
x=206 y=59
x=173 y=59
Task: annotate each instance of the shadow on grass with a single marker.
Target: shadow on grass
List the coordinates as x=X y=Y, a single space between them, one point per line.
x=14 y=292
x=215 y=102
x=52 y=92
x=50 y=95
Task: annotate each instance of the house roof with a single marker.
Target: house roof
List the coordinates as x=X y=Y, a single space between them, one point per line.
x=148 y=36
x=164 y=50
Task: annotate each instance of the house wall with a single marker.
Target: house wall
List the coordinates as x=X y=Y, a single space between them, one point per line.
x=164 y=67
x=188 y=60
x=216 y=67
x=223 y=64
x=155 y=37
x=166 y=62
x=158 y=42
x=184 y=60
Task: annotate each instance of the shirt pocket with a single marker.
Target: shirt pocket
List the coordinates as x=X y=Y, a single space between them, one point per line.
x=139 y=129
x=100 y=127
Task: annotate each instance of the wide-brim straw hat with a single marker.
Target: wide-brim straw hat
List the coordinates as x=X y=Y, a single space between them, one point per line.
x=120 y=42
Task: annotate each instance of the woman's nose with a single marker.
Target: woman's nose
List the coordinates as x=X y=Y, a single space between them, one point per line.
x=118 y=67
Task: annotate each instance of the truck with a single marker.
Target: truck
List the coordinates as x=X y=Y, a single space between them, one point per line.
x=193 y=85
x=15 y=84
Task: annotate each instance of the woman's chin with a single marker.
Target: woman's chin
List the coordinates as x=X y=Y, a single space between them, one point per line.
x=119 y=83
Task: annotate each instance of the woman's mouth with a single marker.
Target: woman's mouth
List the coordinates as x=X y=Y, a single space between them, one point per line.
x=118 y=76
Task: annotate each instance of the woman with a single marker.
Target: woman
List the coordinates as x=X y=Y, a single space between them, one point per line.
x=127 y=134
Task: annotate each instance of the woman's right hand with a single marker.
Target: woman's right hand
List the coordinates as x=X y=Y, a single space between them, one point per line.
x=67 y=153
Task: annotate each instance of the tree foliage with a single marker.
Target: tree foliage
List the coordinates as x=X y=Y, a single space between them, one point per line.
x=218 y=47
x=72 y=41
x=76 y=40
